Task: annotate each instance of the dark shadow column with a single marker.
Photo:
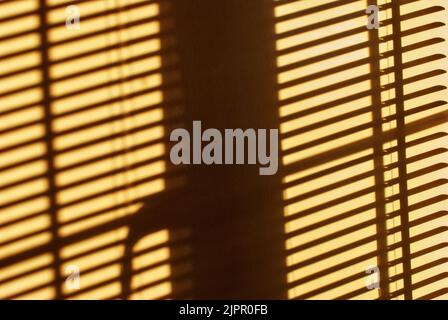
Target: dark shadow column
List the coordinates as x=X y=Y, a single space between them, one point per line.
x=228 y=71
x=50 y=152
x=401 y=146
x=378 y=141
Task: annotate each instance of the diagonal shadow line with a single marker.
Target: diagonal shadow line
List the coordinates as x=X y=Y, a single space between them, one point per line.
x=49 y=140
x=56 y=282
x=363 y=144
x=414 y=111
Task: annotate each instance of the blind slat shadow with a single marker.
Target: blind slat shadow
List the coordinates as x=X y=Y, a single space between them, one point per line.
x=86 y=178
x=323 y=261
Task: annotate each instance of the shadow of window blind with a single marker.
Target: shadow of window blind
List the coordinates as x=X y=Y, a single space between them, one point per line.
x=83 y=119
x=82 y=129
x=363 y=126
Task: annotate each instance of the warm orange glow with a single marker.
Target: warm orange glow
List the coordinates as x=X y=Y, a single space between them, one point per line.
x=85 y=115
x=325 y=101
x=106 y=110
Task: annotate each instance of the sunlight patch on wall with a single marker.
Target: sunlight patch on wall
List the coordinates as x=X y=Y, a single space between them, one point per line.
x=93 y=71
x=427 y=169
x=106 y=107
x=151 y=267
x=325 y=104
x=24 y=208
